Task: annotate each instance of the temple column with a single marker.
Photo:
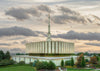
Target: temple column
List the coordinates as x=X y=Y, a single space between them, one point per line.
x=56 y=47
x=62 y=48
x=49 y=47
x=46 y=47
x=43 y=47
x=53 y=47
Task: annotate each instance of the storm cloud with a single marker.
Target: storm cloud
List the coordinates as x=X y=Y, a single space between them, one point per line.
x=5 y=44
x=64 y=18
x=80 y=36
x=13 y=31
x=17 y=50
x=70 y=16
x=68 y=11
x=45 y=8
x=22 y=14
x=66 y=15
x=93 y=44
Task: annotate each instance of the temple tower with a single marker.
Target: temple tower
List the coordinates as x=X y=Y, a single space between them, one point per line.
x=49 y=34
x=49 y=50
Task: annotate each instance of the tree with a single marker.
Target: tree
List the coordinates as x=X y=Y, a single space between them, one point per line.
x=83 y=62
x=72 y=62
x=2 y=55
x=51 y=66
x=62 y=63
x=80 y=61
x=93 y=60
x=7 y=55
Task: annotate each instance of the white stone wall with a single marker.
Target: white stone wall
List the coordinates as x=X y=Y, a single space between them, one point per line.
x=54 y=47
x=30 y=59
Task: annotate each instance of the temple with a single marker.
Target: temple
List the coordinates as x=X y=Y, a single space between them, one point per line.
x=49 y=46
x=47 y=50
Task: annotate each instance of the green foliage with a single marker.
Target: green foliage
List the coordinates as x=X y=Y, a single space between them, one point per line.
x=62 y=63
x=6 y=62
x=34 y=63
x=72 y=62
x=45 y=65
x=51 y=66
x=38 y=65
x=86 y=60
x=83 y=62
x=68 y=63
x=2 y=55
x=21 y=63
x=7 y=55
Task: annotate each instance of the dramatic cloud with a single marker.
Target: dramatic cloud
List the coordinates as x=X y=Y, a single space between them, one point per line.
x=21 y=13
x=44 y=8
x=23 y=42
x=66 y=15
x=5 y=44
x=93 y=44
x=17 y=50
x=13 y=31
x=79 y=36
x=70 y=16
x=63 y=19
x=68 y=11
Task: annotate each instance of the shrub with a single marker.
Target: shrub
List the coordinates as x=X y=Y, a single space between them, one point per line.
x=45 y=65
x=21 y=63
x=7 y=62
x=11 y=62
x=51 y=66
x=31 y=64
x=68 y=63
x=62 y=63
x=39 y=65
x=35 y=62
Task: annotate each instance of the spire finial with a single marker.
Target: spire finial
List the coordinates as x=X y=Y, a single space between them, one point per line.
x=49 y=34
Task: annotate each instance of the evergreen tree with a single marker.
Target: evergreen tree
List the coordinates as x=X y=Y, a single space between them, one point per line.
x=7 y=55
x=62 y=63
x=83 y=62
x=2 y=55
x=72 y=62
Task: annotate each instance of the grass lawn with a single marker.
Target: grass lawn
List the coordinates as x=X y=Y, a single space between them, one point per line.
x=79 y=70
x=99 y=59
x=17 y=68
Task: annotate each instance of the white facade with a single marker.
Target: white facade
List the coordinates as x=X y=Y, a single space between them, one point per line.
x=31 y=59
x=50 y=47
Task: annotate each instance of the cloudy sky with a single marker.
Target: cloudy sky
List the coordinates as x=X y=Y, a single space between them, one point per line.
x=23 y=21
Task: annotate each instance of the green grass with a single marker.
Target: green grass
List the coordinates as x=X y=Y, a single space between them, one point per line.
x=17 y=68
x=80 y=70
x=99 y=59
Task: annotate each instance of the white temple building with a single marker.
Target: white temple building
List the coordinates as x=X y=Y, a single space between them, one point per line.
x=49 y=46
